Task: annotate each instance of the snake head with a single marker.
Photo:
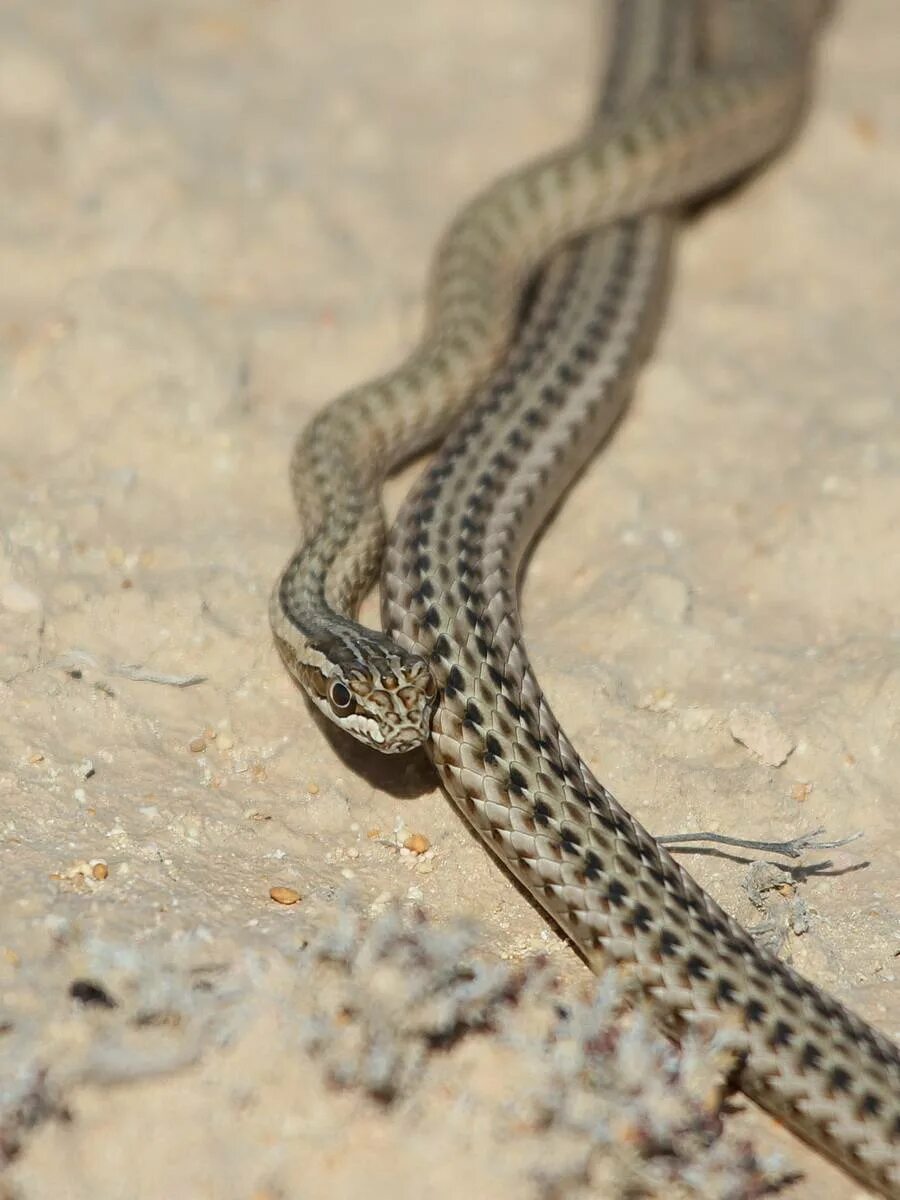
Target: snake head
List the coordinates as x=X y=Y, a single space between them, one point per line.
x=384 y=701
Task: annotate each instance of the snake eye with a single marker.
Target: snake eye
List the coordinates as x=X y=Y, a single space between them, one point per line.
x=341 y=698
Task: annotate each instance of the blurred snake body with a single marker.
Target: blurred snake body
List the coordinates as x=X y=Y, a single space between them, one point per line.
x=689 y=105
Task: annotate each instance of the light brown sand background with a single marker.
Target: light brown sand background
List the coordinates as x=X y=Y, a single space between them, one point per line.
x=213 y=217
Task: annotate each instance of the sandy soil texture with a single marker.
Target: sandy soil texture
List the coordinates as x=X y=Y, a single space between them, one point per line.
x=215 y=215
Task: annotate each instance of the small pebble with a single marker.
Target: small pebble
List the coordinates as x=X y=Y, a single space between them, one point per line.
x=761 y=734
x=100 y=870
x=84 y=769
x=197 y=745
x=418 y=843
x=313 y=789
x=284 y=895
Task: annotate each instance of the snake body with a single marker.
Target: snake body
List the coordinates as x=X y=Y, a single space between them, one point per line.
x=449 y=586
x=673 y=146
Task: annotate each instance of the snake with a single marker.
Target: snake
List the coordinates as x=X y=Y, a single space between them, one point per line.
x=451 y=671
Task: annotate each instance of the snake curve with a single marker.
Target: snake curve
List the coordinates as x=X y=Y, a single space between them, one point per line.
x=449 y=597
x=673 y=146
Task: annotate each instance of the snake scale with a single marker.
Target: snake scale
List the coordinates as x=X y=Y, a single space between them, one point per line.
x=455 y=675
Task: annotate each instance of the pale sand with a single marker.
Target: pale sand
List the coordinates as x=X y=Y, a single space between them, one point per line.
x=214 y=217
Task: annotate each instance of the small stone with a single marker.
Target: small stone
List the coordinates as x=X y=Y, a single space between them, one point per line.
x=417 y=843
x=197 y=745
x=313 y=789
x=800 y=792
x=284 y=895
x=100 y=871
x=762 y=735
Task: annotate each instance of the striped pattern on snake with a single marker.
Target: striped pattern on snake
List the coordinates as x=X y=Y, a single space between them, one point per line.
x=501 y=754
x=675 y=145
x=449 y=594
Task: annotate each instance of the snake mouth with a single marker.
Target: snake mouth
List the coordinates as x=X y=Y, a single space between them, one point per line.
x=406 y=740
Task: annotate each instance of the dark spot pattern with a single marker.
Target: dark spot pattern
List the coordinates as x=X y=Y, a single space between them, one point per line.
x=754 y=1011
x=642 y=918
x=812 y=1056
x=542 y=813
x=455 y=680
x=517 y=781
x=696 y=967
x=839 y=1079
x=593 y=865
x=782 y=1034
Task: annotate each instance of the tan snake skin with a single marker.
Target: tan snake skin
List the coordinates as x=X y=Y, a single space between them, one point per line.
x=676 y=145
x=450 y=577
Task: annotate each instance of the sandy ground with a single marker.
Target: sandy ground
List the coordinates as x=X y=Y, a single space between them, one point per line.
x=214 y=216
